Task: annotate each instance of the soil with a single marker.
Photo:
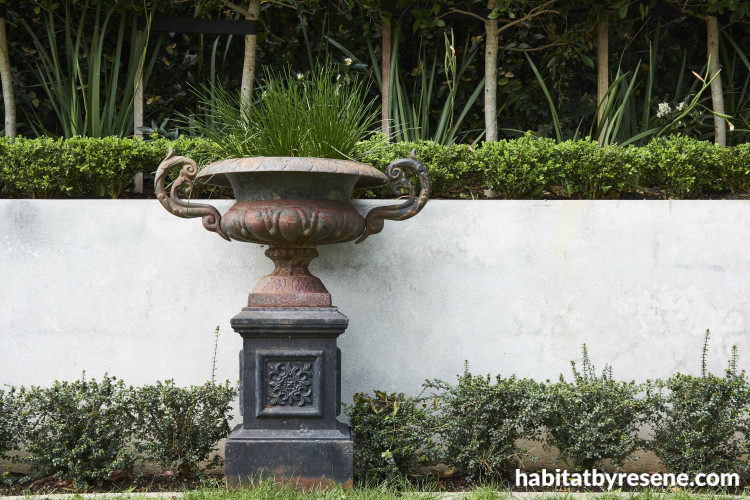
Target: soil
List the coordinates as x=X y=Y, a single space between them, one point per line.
x=161 y=482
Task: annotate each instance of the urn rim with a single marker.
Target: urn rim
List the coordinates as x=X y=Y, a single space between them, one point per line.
x=216 y=173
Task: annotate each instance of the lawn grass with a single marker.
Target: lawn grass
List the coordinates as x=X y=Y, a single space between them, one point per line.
x=270 y=491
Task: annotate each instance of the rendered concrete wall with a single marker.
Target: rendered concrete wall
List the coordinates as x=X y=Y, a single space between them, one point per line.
x=511 y=286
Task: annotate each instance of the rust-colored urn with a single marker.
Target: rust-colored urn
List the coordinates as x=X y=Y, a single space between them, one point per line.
x=292 y=205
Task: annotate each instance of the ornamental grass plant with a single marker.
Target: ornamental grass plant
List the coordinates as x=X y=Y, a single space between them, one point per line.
x=320 y=114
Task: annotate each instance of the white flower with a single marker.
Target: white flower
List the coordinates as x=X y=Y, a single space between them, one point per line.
x=663 y=110
x=338 y=77
x=681 y=106
x=265 y=93
x=348 y=61
x=300 y=76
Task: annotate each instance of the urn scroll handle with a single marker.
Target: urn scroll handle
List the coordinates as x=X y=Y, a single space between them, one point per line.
x=375 y=219
x=179 y=207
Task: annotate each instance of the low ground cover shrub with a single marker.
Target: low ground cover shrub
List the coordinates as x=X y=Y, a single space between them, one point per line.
x=89 y=432
x=11 y=421
x=480 y=421
x=702 y=422
x=675 y=166
x=593 y=417
x=80 y=430
x=394 y=435
x=693 y=424
x=179 y=427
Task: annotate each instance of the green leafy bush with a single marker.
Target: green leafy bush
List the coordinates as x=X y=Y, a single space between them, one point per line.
x=12 y=420
x=590 y=171
x=518 y=168
x=449 y=166
x=179 y=427
x=736 y=173
x=702 y=423
x=80 y=430
x=593 y=418
x=82 y=166
x=392 y=435
x=480 y=421
x=698 y=427
x=35 y=168
x=683 y=167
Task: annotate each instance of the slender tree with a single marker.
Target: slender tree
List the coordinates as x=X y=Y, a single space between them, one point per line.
x=707 y=11
x=490 y=75
x=251 y=12
x=602 y=65
x=251 y=44
x=717 y=93
x=9 y=99
x=385 y=118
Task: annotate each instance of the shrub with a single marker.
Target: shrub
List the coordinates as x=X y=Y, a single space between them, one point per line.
x=83 y=166
x=35 y=168
x=590 y=171
x=449 y=166
x=12 y=421
x=519 y=168
x=392 y=434
x=179 y=427
x=593 y=418
x=683 y=167
x=480 y=421
x=80 y=430
x=702 y=422
x=736 y=173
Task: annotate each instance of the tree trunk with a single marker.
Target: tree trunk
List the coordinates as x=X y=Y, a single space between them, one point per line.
x=138 y=106
x=385 y=125
x=9 y=99
x=490 y=76
x=717 y=96
x=248 y=67
x=602 y=66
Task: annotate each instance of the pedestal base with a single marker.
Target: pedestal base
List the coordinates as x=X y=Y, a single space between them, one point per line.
x=290 y=379
x=304 y=458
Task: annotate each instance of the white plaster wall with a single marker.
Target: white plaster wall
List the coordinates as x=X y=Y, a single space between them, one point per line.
x=511 y=286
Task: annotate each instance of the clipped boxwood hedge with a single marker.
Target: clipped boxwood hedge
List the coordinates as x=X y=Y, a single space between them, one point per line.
x=674 y=167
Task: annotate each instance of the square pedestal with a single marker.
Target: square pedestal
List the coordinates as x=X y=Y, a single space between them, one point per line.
x=290 y=379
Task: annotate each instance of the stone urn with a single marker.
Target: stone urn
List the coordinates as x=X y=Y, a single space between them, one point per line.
x=290 y=365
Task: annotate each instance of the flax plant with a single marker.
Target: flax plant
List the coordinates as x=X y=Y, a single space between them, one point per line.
x=83 y=83
x=323 y=115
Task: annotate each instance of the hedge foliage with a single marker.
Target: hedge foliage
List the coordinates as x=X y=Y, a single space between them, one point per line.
x=478 y=425
x=676 y=167
x=90 y=432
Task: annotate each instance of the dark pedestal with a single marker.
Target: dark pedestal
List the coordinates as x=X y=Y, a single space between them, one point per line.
x=290 y=380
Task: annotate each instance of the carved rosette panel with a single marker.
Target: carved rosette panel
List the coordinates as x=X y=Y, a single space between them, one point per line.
x=293 y=222
x=289 y=383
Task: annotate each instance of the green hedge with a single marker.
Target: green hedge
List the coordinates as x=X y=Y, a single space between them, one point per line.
x=678 y=167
